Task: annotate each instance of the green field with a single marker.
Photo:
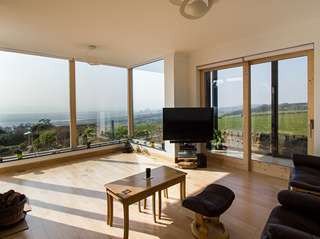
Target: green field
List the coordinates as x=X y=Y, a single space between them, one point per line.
x=290 y=122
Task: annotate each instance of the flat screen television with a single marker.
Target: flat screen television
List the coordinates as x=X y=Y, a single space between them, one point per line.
x=188 y=125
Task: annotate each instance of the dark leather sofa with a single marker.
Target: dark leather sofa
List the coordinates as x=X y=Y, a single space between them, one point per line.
x=298 y=217
x=305 y=175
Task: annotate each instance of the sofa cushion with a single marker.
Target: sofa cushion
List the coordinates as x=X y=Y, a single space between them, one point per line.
x=304 y=203
x=276 y=231
x=290 y=218
x=211 y=202
x=305 y=178
x=306 y=160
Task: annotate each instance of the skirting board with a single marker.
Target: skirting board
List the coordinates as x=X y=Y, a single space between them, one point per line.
x=269 y=169
x=153 y=152
x=26 y=164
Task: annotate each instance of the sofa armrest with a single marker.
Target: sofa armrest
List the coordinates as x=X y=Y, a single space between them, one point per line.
x=306 y=160
x=276 y=231
x=302 y=202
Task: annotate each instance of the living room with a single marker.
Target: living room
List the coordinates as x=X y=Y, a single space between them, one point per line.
x=85 y=135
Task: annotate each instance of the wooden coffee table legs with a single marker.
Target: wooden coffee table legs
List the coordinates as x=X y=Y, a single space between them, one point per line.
x=166 y=194
x=125 y=215
x=183 y=190
x=154 y=207
x=126 y=208
x=153 y=204
x=109 y=210
x=159 y=204
x=125 y=221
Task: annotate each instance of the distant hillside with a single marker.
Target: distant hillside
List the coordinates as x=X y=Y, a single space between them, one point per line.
x=228 y=111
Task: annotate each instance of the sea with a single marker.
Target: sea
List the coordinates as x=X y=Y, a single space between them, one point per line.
x=60 y=119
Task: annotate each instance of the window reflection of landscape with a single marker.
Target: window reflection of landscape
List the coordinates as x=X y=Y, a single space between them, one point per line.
x=101 y=103
x=34 y=104
x=148 y=101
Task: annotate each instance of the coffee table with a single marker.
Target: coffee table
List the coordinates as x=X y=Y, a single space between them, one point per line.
x=134 y=188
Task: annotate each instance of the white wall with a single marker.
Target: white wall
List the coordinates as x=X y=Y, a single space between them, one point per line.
x=279 y=37
x=177 y=91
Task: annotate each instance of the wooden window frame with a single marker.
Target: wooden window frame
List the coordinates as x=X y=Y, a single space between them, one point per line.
x=246 y=163
x=130 y=103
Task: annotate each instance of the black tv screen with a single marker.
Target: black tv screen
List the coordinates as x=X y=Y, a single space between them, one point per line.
x=188 y=124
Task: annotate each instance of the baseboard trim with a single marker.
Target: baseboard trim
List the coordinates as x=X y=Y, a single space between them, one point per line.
x=153 y=152
x=27 y=164
x=273 y=170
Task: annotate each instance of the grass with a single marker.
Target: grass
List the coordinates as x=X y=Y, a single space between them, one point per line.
x=293 y=123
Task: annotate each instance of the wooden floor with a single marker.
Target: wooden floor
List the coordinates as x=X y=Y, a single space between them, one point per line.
x=68 y=201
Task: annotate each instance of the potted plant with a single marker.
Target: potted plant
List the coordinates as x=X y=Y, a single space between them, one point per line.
x=19 y=154
x=217 y=139
x=152 y=144
x=127 y=146
x=87 y=135
x=139 y=149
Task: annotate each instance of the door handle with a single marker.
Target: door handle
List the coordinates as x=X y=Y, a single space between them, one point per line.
x=311 y=127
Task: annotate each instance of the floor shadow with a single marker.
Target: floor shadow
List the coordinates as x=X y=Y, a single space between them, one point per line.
x=56 y=188
x=68 y=210
x=117 y=221
x=54 y=164
x=51 y=229
x=126 y=162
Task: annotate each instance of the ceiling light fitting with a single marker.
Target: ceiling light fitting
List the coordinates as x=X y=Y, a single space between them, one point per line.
x=193 y=9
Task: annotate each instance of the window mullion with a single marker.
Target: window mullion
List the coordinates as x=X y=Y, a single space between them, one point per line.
x=274 y=107
x=72 y=100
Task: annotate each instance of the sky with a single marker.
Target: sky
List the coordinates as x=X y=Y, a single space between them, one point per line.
x=148 y=87
x=34 y=84
x=292 y=83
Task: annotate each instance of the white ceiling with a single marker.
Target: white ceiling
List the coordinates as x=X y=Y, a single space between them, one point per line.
x=129 y=32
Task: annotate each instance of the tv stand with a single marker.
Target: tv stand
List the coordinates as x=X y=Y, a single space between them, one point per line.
x=187 y=156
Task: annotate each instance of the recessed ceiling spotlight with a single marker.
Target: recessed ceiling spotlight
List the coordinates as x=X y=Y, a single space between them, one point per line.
x=177 y=2
x=92 y=47
x=91 y=56
x=193 y=9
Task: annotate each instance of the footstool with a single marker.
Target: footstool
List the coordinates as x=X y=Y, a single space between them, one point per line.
x=208 y=206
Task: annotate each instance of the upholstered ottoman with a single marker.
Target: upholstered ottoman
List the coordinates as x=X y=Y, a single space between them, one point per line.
x=208 y=205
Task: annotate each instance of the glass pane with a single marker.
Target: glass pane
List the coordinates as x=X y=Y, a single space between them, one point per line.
x=229 y=106
x=261 y=108
x=101 y=103
x=34 y=104
x=148 y=102
x=293 y=106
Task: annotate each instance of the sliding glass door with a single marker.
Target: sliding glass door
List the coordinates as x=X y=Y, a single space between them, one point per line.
x=263 y=108
x=279 y=107
x=226 y=97
x=261 y=126
x=293 y=106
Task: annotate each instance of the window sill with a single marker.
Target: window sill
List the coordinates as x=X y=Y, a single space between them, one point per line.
x=147 y=145
x=61 y=157
x=254 y=157
x=57 y=151
x=272 y=160
x=228 y=153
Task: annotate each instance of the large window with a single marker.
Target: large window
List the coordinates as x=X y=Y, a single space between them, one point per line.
x=148 y=102
x=101 y=103
x=279 y=107
x=226 y=97
x=261 y=108
x=34 y=104
x=293 y=106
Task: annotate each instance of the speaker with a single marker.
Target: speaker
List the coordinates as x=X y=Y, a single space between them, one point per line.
x=202 y=160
